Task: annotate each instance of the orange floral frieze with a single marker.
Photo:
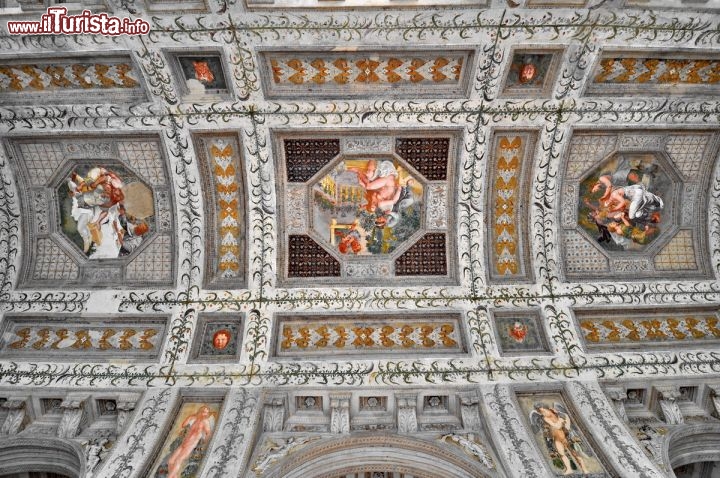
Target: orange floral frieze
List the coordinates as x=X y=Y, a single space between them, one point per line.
x=225 y=166
x=622 y=330
x=40 y=77
x=318 y=337
x=505 y=212
x=343 y=71
x=356 y=73
x=82 y=340
x=658 y=71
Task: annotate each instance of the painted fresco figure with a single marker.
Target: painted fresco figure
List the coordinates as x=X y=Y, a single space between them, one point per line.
x=634 y=201
x=196 y=430
x=518 y=331
x=221 y=339
x=100 y=215
x=527 y=72
x=626 y=212
x=562 y=442
x=385 y=198
x=381 y=183
x=350 y=242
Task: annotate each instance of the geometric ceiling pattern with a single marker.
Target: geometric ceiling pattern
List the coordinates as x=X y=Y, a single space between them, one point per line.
x=256 y=210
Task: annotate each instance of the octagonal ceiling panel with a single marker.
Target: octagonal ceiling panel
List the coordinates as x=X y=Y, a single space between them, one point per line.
x=628 y=201
x=632 y=204
x=107 y=211
x=96 y=211
x=367 y=205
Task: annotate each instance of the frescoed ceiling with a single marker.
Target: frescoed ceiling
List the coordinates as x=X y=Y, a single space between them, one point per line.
x=320 y=218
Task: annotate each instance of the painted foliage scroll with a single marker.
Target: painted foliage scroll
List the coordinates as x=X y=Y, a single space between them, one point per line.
x=507 y=198
x=223 y=172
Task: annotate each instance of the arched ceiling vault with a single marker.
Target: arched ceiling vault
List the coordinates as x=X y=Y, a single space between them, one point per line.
x=255 y=204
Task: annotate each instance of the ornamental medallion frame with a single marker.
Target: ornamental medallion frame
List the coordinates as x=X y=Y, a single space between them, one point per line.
x=681 y=251
x=214 y=323
x=437 y=222
x=551 y=72
x=50 y=259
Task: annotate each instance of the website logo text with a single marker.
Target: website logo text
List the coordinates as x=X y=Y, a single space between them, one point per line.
x=57 y=22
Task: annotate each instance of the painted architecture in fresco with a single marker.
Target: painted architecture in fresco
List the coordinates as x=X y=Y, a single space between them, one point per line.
x=362 y=239
x=367 y=206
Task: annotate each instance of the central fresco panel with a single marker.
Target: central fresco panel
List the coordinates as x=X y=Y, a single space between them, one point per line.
x=622 y=202
x=365 y=206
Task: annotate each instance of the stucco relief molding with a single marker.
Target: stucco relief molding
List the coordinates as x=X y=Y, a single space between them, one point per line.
x=669 y=407
x=125 y=405
x=602 y=422
x=135 y=447
x=618 y=396
x=236 y=431
x=510 y=437
x=74 y=413
x=9 y=226
x=340 y=412
x=406 y=412
x=275 y=412
x=714 y=216
x=18 y=415
x=470 y=410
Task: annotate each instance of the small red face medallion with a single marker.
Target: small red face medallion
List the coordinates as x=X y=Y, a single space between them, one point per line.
x=203 y=73
x=221 y=339
x=528 y=71
x=518 y=332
